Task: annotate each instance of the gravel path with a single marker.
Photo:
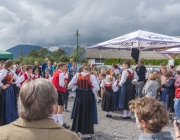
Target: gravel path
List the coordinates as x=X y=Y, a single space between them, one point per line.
x=112 y=128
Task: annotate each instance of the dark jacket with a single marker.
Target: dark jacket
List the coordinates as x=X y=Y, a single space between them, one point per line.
x=37 y=68
x=141 y=72
x=157 y=136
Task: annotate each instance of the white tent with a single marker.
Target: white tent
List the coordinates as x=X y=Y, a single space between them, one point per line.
x=171 y=51
x=142 y=40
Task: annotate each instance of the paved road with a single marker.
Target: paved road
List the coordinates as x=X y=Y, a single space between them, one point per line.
x=113 y=128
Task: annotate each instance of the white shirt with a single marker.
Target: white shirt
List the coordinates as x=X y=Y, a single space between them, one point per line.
x=115 y=86
x=125 y=75
x=22 y=78
x=93 y=80
x=61 y=79
x=4 y=72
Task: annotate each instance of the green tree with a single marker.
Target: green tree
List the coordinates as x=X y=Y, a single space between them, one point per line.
x=34 y=53
x=64 y=58
x=44 y=51
x=58 y=53
x=81 y=54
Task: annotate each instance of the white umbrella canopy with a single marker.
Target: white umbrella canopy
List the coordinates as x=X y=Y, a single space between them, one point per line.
x=141 y=40
x=170 y=51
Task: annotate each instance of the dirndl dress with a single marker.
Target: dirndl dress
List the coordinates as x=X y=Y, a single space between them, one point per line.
x=8 y=104
x=84 y=112
x=108 y=101
x=126 y=94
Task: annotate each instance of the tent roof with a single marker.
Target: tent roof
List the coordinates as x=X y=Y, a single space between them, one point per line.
x=4 y=52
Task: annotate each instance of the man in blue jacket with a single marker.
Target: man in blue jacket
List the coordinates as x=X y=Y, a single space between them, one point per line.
x=44 y=66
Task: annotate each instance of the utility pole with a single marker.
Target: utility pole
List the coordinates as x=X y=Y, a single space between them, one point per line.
x=77 y=47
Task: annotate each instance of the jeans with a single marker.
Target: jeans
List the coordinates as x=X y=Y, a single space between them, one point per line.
x=139 y=87
x=177 y=107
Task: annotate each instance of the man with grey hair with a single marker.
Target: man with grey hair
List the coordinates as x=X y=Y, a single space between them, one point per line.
x=44 y=66
x=36 y=67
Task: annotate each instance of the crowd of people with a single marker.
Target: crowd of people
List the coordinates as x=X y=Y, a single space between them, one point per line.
x=42 y=93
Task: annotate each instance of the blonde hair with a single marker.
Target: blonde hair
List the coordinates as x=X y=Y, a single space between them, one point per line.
x=151 y=77
x=162 y=67
x=109 y=79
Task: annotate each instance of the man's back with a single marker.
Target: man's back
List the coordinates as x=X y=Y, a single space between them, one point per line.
x=36 y=130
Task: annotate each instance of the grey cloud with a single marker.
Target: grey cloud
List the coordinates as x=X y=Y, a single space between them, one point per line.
x=53 y=23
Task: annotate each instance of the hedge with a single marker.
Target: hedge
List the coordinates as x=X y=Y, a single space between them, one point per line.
x=111 y=61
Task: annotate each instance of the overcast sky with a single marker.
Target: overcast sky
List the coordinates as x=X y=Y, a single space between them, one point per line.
x=53 y=22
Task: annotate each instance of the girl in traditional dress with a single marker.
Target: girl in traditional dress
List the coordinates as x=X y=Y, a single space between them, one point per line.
x=36 y=75
x=47 y=75
x=168 y=93
x=8 y=102
x=108 y=98
x=128 y=79
x=84 y=113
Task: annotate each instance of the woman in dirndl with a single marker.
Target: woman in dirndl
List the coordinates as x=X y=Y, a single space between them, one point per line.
x=8 y=100
x=108 y=101
x=127 y=82
x=84 y=112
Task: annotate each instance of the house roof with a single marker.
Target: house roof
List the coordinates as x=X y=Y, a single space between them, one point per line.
x=123 y=54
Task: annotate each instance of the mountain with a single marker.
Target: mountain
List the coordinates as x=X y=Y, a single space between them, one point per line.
x=16 y=50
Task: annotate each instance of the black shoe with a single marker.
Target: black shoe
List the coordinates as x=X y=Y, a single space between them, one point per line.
x=107 y=115
x=110 y=116
x=129 y=117
x=65 y=126
x=124 y=118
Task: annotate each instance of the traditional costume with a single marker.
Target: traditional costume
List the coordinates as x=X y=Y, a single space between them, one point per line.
x=47 y=76
x=8 y=101
x=25 y=77
x=36 y=77
x=168 y=94
x=84 y=112
x=58 y=81
x=126 y=92
x=17 y=70
x=108 y=101
x=21 y=73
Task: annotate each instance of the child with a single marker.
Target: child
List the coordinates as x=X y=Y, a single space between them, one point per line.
x=25 y=77
x=108 y=98
x=150 y=88
x=151 y=116
x=47 y=75
x=58 y=80
x=156 y=74
x=102 y=77
x=36 y=75
x=168 y=92
x=98 y=80
x=23 y=70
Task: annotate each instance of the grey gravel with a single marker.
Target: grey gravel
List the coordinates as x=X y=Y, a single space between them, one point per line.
x=112 y=128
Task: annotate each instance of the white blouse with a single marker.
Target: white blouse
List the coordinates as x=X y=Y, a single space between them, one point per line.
x=125 y=75
x=22 y=78
x=93 y=80
x=115 y=86
x=4 y=72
